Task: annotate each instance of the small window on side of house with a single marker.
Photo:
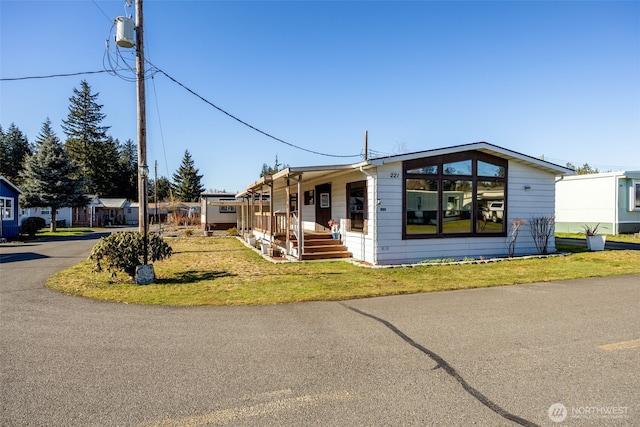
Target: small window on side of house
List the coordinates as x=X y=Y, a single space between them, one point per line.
x=635 y=196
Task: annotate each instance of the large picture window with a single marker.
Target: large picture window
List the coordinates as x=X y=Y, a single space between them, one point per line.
x=357 y=205
x=462 y=194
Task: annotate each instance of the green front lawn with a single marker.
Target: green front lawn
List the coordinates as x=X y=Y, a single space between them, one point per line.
x=222 y=271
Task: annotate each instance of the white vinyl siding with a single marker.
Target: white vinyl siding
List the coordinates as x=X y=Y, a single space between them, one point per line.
x=537 y=201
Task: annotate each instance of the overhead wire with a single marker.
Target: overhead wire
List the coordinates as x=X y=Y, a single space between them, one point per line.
x=116 y=64
x=49 y=76
x=191 y=91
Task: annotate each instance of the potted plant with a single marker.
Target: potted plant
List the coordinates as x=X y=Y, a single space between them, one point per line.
x=264 y=246
x=595 y=241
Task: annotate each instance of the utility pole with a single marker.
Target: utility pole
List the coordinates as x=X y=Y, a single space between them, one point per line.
x=144 y=272
x=143 y=169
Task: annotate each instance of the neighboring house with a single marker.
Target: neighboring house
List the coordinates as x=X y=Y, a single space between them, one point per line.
x=115 y=212
x=218 y=211
x=102 y=212
x=63 y=215
x=453 y=202
x=611 y=199
x=9 y=219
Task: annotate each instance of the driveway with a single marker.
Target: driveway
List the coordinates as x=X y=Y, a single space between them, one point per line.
x=488 y=357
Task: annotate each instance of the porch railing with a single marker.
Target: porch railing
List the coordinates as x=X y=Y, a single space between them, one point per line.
x=277 y=226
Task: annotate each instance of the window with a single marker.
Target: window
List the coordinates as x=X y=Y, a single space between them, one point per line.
x=462 y=194
x=357 y=205
x=6 y=204
x=308 y=198
x=635 y=196
x=227 y=209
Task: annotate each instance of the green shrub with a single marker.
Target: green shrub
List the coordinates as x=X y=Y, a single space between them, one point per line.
x=31 y=225
x=124 y=251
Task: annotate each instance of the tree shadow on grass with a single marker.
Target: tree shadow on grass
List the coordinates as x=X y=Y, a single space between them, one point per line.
x=193 y=276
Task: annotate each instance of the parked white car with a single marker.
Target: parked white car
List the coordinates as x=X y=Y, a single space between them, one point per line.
x=495 y=212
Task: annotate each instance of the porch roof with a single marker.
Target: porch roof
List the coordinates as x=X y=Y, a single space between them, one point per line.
x=114 y=203
x=291 y=172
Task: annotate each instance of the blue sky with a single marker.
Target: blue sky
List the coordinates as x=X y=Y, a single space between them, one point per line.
x=559 y=79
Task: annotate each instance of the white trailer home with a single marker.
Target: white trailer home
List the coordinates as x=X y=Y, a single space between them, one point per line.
x=610 y=199
x=406 y=208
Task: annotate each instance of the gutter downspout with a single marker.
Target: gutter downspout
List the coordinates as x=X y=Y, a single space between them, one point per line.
x=374 y=238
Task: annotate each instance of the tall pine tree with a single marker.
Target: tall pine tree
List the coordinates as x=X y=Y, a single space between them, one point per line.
x=186 y=181
x=49 y=177
x=128 y=170
x=14 y=149
x=45 y=132
x=88 y=144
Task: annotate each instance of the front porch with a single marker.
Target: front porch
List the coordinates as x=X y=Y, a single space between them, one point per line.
x=275 y=230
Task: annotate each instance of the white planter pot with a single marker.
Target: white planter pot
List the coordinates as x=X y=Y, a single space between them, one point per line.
x=265 y=248
x=596 y=243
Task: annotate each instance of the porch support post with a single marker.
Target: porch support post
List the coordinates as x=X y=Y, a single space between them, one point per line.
x=260 y=197
x=251 y=212
x=287 y=218
x=300 y=230
x=271 y=211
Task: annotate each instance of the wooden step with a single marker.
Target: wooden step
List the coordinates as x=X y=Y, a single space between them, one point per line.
x=326 y=255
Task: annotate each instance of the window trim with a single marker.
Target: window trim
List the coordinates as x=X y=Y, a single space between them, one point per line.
x=365 y=206
x=634 y=198
x=11 y=216
x=440 y=177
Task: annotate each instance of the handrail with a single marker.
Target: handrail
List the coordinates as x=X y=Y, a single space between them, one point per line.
x=294 y=225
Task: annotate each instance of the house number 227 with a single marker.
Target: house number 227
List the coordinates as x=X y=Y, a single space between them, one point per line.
x=395 y=174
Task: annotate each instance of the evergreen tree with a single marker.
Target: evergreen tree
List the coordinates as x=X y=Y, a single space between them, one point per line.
x=164 y=189
x=128 y=170
x=45 y=132
x=48 y=178
x=14 y=149
x=583 y=170
x=88 y=144
x=268 y=170
x=4 y=151
x=186 y=181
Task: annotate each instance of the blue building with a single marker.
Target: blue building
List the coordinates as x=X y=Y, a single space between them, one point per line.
x=9 y=193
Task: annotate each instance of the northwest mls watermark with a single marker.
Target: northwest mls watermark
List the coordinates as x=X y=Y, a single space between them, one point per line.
x=559 y=413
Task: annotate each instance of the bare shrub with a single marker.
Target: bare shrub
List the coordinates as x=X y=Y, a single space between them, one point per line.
x=541 y=230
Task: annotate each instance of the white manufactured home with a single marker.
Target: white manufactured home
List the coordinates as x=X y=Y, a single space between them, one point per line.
x=218 y=211
x=610 y=199
x=453 y=202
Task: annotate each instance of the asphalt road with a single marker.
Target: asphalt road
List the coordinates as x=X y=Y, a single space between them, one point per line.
x=487 y=357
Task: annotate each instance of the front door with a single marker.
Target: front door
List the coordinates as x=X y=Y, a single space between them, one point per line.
x=323 y=205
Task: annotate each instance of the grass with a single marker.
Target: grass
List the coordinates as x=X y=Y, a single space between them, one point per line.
x=622 y=238
x=205 y=271
x=60 y=232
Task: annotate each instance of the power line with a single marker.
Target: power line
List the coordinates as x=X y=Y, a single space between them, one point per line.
x=112 y=71
x=106 y=16
x=5 y=79
x=247 y=124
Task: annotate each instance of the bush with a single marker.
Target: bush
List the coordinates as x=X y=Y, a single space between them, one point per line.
x=232 y=231
x=124 y=251
x=31 y=225
x=541 y=230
